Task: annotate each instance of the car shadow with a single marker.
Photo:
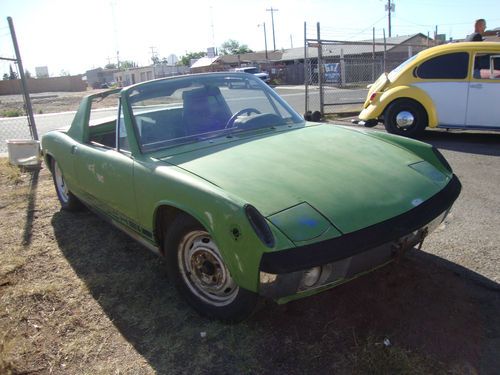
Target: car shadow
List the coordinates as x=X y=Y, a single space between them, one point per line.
x=31 y=207
x=481 y=143
x=423 y=303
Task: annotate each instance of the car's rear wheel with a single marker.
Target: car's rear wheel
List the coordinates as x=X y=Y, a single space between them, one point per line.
x=199 y=272
x=405 y=117
x=66 y=198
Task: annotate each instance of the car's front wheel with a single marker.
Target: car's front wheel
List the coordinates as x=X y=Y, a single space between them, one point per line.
x=405 y=117
x=199 y=272
x=68 y=201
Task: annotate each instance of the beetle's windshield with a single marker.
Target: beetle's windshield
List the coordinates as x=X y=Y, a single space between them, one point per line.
x=192 y=108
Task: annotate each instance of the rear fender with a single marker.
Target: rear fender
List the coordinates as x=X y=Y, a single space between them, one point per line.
x=377 y=108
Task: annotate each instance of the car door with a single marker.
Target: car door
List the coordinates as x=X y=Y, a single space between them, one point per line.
x=444 y=79
x=107 y=175
x=483 y=109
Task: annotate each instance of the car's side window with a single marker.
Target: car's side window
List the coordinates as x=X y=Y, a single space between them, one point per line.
x=486 y=66
x=122 y=140
x=449 y=66
x=102 y=120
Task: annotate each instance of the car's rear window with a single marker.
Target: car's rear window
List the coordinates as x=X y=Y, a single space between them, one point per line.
x=449 y=66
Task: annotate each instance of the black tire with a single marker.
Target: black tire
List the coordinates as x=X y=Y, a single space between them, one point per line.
x=197 y=270
x=405 y=117
x=66 y=198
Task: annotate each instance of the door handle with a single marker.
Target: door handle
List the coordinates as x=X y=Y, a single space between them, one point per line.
x=73 y=149
x=476 y=85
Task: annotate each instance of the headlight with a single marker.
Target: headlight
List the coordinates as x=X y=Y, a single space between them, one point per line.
x=259 y=225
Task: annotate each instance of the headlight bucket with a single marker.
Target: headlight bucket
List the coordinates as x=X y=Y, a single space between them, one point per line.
x=259 y=225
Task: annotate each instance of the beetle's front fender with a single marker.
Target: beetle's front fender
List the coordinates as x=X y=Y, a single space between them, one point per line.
x=377 y=107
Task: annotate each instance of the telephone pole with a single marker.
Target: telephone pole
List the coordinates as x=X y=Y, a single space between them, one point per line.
x=272 y=10
x=389 y=7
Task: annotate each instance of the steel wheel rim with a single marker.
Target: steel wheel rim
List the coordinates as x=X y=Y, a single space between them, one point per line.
x=405 y=119
x=204 y=271
x=62 y=189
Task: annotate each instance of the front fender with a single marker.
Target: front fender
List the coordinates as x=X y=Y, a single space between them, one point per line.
x=221 y=214
x=377 y=108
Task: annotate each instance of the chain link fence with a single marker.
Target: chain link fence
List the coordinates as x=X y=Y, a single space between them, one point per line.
x=13 y=128
x=337 y=72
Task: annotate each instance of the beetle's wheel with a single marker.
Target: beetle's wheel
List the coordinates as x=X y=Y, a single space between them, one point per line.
x=405 y=117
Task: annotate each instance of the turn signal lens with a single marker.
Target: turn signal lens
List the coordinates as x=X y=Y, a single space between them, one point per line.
x=373 y=96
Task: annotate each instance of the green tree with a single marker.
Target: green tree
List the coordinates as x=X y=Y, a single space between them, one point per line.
x=186 y=59
x=233 y=47
x=5 y=77
x=110 y=66
x=127 y=64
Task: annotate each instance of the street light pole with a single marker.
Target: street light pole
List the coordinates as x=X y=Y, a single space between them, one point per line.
x=265 y=37
x=272 y=10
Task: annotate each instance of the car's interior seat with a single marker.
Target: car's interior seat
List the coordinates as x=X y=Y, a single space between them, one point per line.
x=205 y=110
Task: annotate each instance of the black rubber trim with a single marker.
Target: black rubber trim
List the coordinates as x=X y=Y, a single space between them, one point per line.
x=347 y=245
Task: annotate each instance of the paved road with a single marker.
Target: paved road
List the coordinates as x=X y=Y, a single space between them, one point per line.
x=17 y=128
x=296 y=98
x=470 y=237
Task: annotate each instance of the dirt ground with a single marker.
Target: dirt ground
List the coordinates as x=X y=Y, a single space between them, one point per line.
x=79 y=297
x=49 y=102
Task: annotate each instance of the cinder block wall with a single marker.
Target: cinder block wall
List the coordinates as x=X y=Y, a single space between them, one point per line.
x=54 y=84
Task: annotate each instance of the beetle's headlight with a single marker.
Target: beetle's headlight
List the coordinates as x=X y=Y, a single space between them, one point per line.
x=259 y=225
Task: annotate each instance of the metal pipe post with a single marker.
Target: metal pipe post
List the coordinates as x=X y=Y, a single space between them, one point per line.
x=320 y=71
x=26 y=95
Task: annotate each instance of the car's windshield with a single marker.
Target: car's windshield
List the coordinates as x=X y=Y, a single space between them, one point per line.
x=395 y=72
x=192 y=108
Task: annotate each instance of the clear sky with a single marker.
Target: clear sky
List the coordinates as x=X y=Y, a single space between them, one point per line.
x=76 y=35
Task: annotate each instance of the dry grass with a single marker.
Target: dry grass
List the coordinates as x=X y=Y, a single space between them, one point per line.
x=79 y=297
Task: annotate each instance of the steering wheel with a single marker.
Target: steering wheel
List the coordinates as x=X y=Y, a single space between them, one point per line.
x=248 y=111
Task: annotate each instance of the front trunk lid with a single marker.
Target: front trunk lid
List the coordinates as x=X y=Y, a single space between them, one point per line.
x=351 y=179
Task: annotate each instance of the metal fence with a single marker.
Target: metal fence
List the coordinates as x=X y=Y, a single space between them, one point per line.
x=13 y=128
x=337 y=72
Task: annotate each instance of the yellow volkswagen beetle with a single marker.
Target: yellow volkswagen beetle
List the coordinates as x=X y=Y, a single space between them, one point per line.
x=452 y=86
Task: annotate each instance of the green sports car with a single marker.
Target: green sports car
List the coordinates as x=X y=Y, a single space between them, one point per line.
x=242 y=197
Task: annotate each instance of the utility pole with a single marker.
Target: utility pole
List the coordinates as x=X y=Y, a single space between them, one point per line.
x=26 y=94
x=389 y=7
x=272 y=10
x=265 y=37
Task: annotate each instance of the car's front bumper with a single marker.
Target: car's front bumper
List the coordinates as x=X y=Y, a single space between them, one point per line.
x=283 y=273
